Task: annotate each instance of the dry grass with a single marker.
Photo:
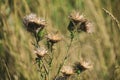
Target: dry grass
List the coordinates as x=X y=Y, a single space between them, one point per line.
x=101 y=48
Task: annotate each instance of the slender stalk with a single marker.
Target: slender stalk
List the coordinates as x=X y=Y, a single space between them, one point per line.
x=113 y=17
x=7 y=69
x=41 y=60
x=36 y=38
x=65 y=59
x=44 y=67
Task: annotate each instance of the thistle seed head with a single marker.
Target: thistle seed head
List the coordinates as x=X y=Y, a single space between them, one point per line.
x=33 y=23
x=40 y=52
x=67 y=70
x=53 y=38
x=79 y=23
x=76 y=17
x=82 y=66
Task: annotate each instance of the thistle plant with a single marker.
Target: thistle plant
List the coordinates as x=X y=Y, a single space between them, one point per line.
x=44 y=55
x=36 y=26
x=77 y=24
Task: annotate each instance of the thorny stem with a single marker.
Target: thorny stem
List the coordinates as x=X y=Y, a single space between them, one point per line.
x=50 y=45
x=50 y=63
x=40 y=67
x=44 y=67
x=37 y=45
x=67 y=55
x=36 y=38
x=42 y=74
x=65 y=59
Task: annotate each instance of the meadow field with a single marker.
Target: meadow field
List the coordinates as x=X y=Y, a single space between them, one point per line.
x=101 y=47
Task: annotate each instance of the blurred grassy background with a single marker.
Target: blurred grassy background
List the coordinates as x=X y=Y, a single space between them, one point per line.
x=101 y=47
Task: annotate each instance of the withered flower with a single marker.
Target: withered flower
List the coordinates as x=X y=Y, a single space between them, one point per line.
x=82 y=66
x=78 y=23
x=67 y=70
x=76 y=17
x=40 y=52
x=33 y=23
x=53 y=38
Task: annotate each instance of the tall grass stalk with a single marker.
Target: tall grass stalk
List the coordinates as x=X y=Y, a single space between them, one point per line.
x=6 y=67
x=113 y=17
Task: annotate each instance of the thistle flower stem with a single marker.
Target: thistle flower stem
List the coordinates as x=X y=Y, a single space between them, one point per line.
x=43 y=75
x=51 y=47
x=65 y=59
x=44 y=67
x=41 y=61
x=36 y=38
x=49 y=68
x=72 y=37
x=40 y=67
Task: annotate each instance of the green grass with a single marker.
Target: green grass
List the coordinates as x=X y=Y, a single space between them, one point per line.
x=102 y=47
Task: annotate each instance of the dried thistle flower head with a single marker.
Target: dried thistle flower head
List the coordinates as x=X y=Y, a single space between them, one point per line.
x=79 y=23
x=53 y=37
x=40 y=52
x=67 y=70
x=82 y=66
x=33 y=23
x=76 y=17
